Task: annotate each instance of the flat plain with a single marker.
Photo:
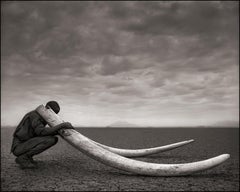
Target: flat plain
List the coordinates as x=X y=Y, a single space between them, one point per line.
x=64 y=168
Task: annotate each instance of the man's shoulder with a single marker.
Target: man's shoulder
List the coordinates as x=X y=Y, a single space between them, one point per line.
x=33 y=114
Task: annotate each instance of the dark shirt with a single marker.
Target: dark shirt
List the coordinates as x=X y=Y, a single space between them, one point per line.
x=32 y=125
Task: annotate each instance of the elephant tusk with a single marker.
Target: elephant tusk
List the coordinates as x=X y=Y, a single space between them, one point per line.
x=106 y=157
x=143 y=152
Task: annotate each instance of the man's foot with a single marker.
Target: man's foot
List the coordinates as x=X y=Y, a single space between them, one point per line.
x=25 y=162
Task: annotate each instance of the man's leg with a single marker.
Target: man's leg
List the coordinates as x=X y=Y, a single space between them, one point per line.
x=33 y=146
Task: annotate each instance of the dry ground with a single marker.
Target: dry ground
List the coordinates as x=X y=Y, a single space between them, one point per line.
x=63 y=168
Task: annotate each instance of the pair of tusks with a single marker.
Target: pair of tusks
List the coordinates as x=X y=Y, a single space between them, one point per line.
x=104 y=155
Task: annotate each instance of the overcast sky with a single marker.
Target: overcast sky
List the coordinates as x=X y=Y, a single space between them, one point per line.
x=146 y=63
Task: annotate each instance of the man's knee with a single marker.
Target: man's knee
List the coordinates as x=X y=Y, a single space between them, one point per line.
x=51 y=140
x=16 y=153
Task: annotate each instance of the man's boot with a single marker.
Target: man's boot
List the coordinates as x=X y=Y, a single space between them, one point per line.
x=25 y=162
x=32 y=160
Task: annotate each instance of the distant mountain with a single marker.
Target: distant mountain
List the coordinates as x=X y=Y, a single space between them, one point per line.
x=226 y=124
x=122 y=124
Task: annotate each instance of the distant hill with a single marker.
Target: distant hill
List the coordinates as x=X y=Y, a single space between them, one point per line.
x=122 y=124
x=226 y=124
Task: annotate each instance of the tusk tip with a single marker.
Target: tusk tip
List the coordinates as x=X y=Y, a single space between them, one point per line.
x=226 y=156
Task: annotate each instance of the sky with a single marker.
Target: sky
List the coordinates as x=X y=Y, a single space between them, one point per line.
x=146 y=63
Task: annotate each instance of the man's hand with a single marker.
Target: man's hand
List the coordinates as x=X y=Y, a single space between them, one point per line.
x=54 y=130
x=66 y=125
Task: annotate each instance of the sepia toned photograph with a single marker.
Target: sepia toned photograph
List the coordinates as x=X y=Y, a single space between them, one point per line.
x=119 y=96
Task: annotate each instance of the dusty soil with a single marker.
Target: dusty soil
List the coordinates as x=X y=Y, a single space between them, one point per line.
x=63 y=168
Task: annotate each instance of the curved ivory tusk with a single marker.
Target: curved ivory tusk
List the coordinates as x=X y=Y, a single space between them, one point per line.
x=89 y=148
x=143 y=152
x=111 y=159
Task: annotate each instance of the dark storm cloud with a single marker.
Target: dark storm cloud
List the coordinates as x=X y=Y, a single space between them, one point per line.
x=42 y=34
x=183 y=18
x=209 y=25
x=41 y=29
x=47 y=27
x=112 y=65
x=163 y=18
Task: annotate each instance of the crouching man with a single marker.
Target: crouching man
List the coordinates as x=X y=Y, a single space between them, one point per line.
x=31 y=137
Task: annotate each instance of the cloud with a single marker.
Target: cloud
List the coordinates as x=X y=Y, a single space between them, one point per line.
x=137 y=61
x=182 y=18
x=114 y=64
x=199 y=27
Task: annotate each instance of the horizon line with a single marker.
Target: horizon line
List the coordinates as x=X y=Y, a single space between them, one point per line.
x=110 y=127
